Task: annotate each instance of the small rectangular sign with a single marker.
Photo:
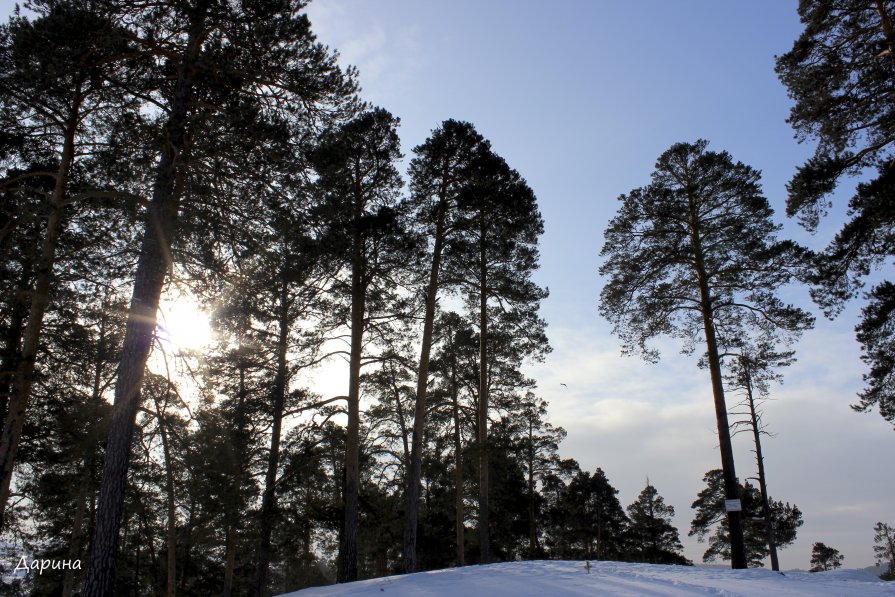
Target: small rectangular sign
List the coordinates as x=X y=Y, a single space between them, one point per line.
x=733 y=505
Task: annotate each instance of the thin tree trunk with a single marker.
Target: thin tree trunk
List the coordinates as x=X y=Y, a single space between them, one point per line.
x=229 y=560
x=459 y=513
x=532 y=524
x=77 y=533
x=240 y=449
x=348 y=547
x=161 y=222
x=269 y=498
x=731 y=490
x=87 y=492
x=172 y=519
x=762 y=482
x=24 y=375
x=187 y=546
x=484 y=514
x=411 y=557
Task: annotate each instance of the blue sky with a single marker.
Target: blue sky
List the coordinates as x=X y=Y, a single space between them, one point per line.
x=581 y=97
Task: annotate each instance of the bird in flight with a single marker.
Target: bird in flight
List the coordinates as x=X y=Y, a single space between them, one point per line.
x=564 y=385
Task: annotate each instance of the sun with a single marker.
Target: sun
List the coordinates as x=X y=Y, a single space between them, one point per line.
x=183 y=324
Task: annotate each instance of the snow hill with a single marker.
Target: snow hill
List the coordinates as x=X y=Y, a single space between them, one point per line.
x=571 y=579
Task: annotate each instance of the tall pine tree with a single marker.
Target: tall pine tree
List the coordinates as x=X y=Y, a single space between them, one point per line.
x=695 y=254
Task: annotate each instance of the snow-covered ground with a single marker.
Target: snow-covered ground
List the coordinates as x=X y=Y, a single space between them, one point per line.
x=571 y=579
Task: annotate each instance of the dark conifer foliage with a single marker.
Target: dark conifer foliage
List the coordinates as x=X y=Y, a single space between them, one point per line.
x=884 y=548
x=496 y=257
x=220 y=63
x=439 y=174
x=651 y=535
x=824 y=557
x=840 y=74
x=57 y=100
x=695 y=255
x=710 y=514
x=365 y=234
x=214 y=150
x=588 y=521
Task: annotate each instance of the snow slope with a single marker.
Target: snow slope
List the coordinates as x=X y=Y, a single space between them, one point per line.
x=570 y=579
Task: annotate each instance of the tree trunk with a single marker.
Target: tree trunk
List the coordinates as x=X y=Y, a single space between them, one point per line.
x=411 y=558
x=459 y=513
x=229 y=560
x=731 y=490
x=161 y=220
x=77 y=532
x=762 y=482
x=172 y=509
x=484 y=518
x=532 y=523
x=348 y=546
x=269 y=498
x=24 y=375
x=9 y=359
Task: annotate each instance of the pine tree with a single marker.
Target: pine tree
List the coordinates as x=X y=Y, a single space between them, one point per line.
x=695 y=254
x=840 y=74
x=710 y=511
x=653 y=538
x=231 y=66
x=885 y=548
x=366 y=234
x=824 y=558
x=496 y=259
x=438 y=175
x=57 y=86
x=751 y=371
x=588 y=520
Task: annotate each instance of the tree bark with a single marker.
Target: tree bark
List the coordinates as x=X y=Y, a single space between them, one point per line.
x=731 y=490
x=161 y=221
x=411 y=557
x=269 y=498
x=24 y=375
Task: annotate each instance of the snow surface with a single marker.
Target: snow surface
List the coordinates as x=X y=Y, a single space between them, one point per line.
x=570 y=579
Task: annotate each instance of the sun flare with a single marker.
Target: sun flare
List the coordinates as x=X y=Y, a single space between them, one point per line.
x=183 y=324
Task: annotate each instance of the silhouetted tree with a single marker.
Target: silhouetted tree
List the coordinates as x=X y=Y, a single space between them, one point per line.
x=438 y=175
x=652 y=536
x=57 y=88
x=884 y=550
x=366 y=233
x=695 y=254
x=234 y=67
x=824 y=558
x=841 y=74
x=499 y=255
x=710 y=511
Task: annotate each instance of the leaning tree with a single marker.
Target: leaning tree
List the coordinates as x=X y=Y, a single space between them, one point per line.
x=695 y=254
x=841 y=74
